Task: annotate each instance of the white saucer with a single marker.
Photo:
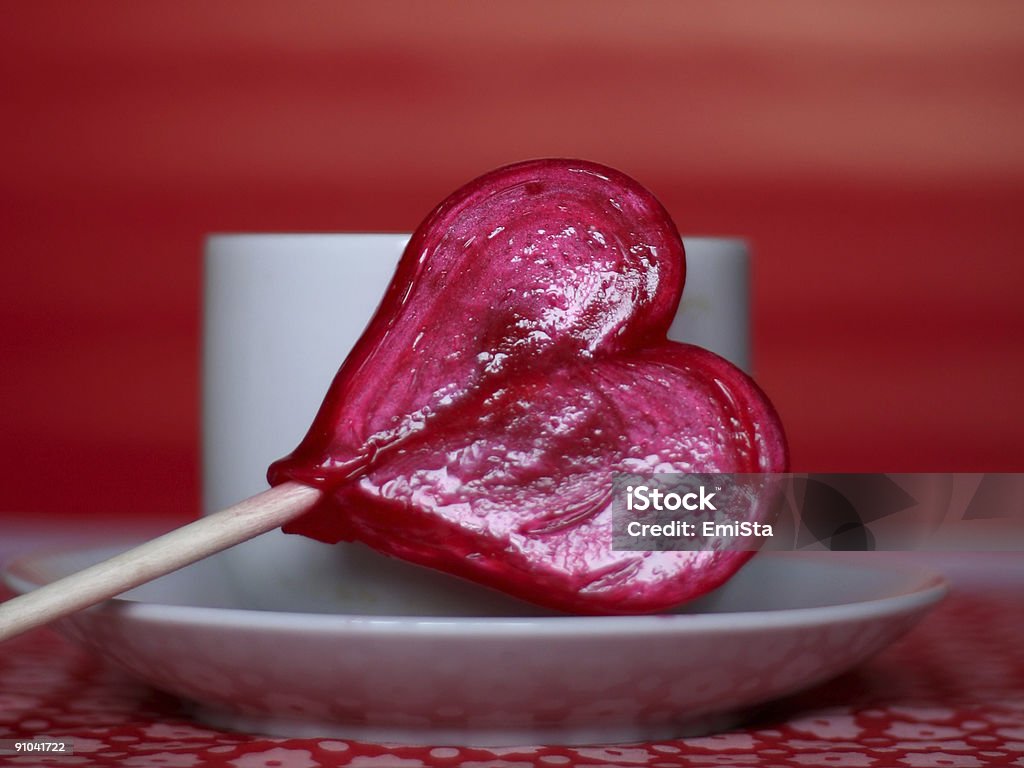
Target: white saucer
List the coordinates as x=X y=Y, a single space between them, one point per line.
x=785 y=622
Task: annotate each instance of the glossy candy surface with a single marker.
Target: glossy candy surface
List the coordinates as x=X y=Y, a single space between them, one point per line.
x=517 y=362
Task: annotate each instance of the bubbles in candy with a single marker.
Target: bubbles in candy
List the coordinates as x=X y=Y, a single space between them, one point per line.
x=517 y=362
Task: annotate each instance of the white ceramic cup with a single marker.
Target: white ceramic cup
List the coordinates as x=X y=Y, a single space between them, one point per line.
x=280 y=313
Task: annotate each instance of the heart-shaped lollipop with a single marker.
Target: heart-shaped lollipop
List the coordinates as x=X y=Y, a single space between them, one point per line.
x=519 y=361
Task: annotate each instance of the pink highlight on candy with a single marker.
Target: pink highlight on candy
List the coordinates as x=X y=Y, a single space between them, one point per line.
x=517 y=362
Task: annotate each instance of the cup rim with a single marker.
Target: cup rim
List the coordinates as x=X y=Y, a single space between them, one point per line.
x=702 y=239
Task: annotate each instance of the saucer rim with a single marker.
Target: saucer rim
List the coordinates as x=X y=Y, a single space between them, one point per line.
x=22 y=574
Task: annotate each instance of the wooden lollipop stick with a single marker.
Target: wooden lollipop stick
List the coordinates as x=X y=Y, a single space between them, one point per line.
x=174 y=550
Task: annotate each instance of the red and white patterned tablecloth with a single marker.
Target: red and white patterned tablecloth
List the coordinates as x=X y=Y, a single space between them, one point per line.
x=951 y=693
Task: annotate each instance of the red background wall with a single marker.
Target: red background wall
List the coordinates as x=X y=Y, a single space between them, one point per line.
x=873 y=154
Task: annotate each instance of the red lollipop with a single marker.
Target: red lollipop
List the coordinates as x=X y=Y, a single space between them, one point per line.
x=517 y=363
